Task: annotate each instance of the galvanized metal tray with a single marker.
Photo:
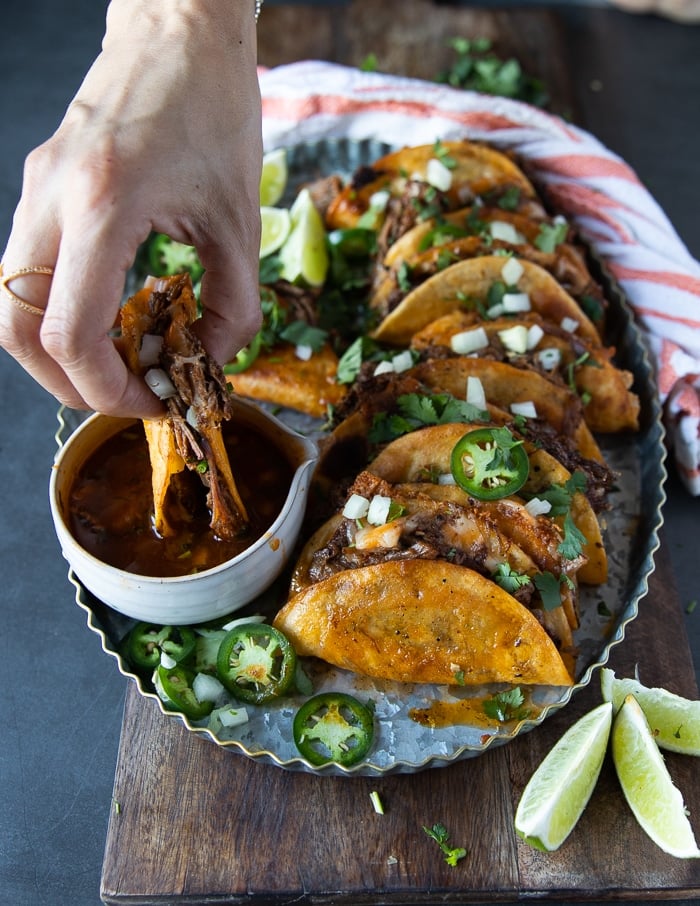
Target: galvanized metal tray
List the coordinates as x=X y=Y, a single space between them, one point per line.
x=402 y=745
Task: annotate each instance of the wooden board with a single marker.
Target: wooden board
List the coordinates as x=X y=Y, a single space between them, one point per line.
x=198 y=824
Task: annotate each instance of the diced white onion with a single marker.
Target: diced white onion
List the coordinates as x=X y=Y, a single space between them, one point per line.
x=156 y=284
x=549 y=358
x=356 y=507
x=569 y=324
x=495 y=311
x=206 y=688
x=514 y=338
x=191 y=418
x=467 y=341
x=239 y=621
x=537 y=507
x=167 y=661
x=506 y=232
x=378 y=511
x=534 y=335
x=446 y=478
x=438 y=175
x=475 y=392
x=526 y=409
x=303 y=352
x=160 y=383
x=149 y=353
x=512 y=271
x=379 y=200
x=384 y=367
x=560 y=219
x=229 y=717
x=403 y=361
x=514 y=302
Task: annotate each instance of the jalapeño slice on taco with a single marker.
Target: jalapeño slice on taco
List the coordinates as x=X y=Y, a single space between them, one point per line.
x=425 y=456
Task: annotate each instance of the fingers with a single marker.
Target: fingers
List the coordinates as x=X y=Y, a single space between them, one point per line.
x=58 y=326
x=230 y=295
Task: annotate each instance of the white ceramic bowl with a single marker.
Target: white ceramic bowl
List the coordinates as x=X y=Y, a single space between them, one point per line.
x=202 y=596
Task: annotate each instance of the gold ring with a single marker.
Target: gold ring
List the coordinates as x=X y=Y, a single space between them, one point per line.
x=13 y=297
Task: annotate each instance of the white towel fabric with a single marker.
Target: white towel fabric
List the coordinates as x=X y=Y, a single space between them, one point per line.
x=593 y=187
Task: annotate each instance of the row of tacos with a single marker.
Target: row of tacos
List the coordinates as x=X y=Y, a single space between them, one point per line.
x=458 y=500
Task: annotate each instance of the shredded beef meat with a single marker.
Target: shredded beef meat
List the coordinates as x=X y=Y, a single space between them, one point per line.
x=324 y=191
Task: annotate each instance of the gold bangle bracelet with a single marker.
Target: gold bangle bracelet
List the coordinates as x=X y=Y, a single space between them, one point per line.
x=258 y=7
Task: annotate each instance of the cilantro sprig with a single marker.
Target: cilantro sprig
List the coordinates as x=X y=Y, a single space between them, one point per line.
x=438 y=833
x=416 y=411
x=478 y=68
x=507 y=705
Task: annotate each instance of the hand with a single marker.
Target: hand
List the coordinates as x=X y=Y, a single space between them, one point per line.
x=164 y=134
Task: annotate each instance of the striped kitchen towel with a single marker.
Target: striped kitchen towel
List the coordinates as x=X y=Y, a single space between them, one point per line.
x=595 y=188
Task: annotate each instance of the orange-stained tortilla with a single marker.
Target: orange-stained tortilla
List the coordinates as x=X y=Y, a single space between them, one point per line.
x=427 y=451
x=608 y=404
x=465 y=284
x=280 y=377
x=419 y=621
x=505 y=385
x=477 y=170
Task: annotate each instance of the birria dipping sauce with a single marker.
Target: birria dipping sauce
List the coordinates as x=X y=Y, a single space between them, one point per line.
x=111 y=504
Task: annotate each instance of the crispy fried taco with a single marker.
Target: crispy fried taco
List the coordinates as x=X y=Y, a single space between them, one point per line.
x=425 y=455
x=159 y=345
x=424 y=179
x=498 y=539
x=476 y=231
x=506 y=386
x=290 y=362
x=530 y=342
x=421 y=621
x=480 y=284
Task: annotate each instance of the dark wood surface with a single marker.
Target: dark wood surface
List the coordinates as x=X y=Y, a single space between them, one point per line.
x=198 y=824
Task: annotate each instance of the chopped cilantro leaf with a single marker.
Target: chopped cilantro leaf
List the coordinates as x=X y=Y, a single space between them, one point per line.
x=573 y=541
x=438 y=832
x=299 y=333
x=506 y=706
x=508 y=579
x=416 y=410
x=443 y=155
x=549 y=588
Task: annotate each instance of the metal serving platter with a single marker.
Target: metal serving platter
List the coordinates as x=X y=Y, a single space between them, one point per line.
x=402 y=745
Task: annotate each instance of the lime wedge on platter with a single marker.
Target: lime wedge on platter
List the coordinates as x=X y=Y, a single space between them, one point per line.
x=273 y=177
x=275 y=224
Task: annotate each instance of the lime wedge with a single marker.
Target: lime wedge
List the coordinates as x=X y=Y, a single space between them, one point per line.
x=304 y=256
x=559 y=790
x=275 y=226
x=655 y=802
x=273 y=178
x=674 y=721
